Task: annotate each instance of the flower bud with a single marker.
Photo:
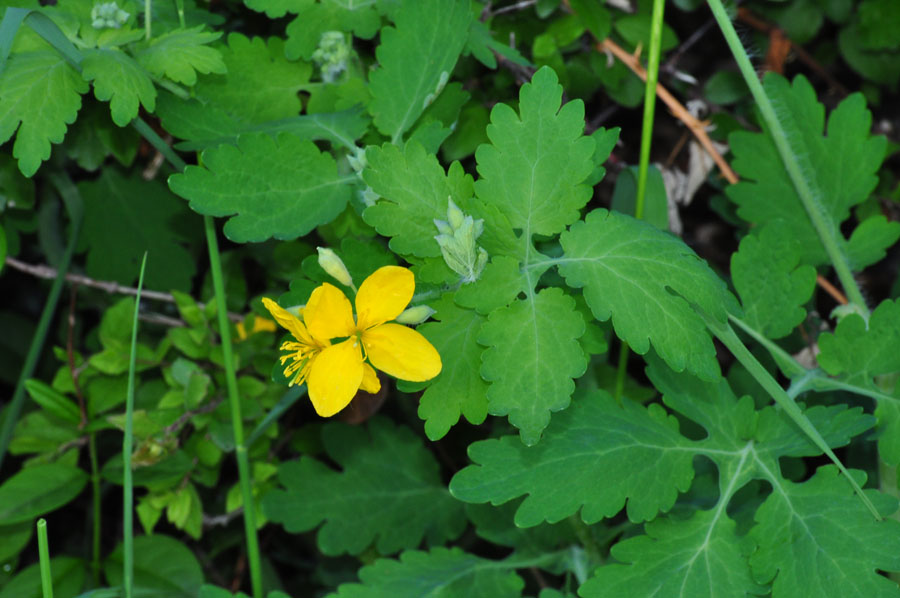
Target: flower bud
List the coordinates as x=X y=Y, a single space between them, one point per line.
x=415 y=315
x=333 y=265
x=454 y=215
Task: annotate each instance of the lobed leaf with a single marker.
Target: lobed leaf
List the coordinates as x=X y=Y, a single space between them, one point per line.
x=817 y=539
x=40 y=94
x=414 y=190
x=700 y=556
x=388 y=492
x=595 y=455
x=260 y=84
x=316 y=18
x=840 y=167
x=439 y=573
x=280 y=188
x=646 y=280
x=415 y=61
x=772 y=284
x=123 y=218
x=537 y=160
x=121 y=81
x=857 y=352
x=532 y=356
x=458 y=389
x=181 y=54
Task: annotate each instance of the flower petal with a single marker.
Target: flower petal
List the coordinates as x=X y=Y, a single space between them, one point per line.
x=370 y=382
x=383 y=296
x=401 y=352
x=288 y=320
x=335 y=377
x=328 y=313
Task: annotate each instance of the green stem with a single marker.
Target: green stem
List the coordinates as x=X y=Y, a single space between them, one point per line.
x=727 y=336
x=818 y=216
x=656 y=21
x=237 y=424
x=147 y=19
x=44 y=556
x=127 y=448
x=95 y=490
x=74 y=207
x=784 y=360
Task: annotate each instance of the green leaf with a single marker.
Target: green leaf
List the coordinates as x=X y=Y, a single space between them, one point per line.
x=206 y=125
x=497 y=525
x=53 y=401
x=416 y=59
x=878 y=20
x=13 y=538
x=646 y=280
x=41 y=92
x=124 y=217
x=37 y=490
x=458 y=389
x=545 y=142
x=532 y=356
x=700 y=556
x=500 y=283
x=839 y=167
x=181 y=54
x=772 y=285
x=594 y=439
x=879 y=66
x=315 y=18
x=858 y=352
x=121 y=81
x=821 y=526
x=440 y=573
x=388 y=492
x=163 y=567
x=261 y=85
x=870 y=240
x=68 y=575
x=414 y=190
x=280 y=188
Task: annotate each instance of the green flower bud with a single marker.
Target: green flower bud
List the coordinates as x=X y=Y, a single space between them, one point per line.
x=415 y=315
x=334 y=266
x=454 y=215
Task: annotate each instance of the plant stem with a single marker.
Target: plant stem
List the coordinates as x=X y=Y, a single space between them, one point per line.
x=147 y=19
x=127 y=447
x=237 y=424
x=727 y=336
x=74 y=207
x=95 y=490
x=656 y=21
x=44 y=556
x=817 y=214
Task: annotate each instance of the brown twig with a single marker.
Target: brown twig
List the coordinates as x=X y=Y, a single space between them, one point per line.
x=699 y=131
x=680 y=112
x=47 y=272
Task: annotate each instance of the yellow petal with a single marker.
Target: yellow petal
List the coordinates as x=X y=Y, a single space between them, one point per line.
x=335 y=377
x=328 y=313
x=383 y=296
x=370 y=381
x=288 y=320
x=401 y=352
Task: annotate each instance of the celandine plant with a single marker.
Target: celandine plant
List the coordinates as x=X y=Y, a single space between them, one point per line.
x=523 y=396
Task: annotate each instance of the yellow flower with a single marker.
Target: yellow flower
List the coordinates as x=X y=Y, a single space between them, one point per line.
x=335 y=372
